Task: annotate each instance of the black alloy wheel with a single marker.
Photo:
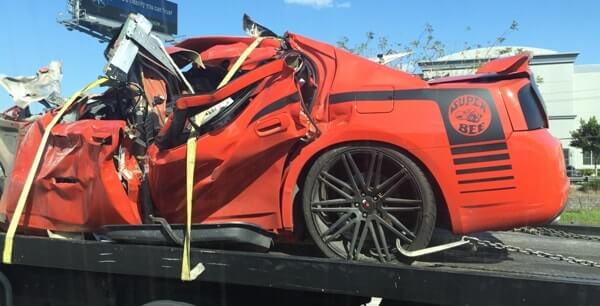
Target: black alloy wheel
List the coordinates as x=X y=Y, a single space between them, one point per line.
x=360 y=201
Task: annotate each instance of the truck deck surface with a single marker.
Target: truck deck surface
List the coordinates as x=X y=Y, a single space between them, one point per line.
x=462 y=276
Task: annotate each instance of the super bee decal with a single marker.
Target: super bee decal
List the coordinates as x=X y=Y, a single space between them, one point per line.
x=469 y=115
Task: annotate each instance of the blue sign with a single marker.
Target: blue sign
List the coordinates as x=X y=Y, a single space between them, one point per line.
x=162 y=13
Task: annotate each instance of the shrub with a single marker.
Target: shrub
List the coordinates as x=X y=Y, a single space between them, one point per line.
x=587 y=172
x=591 y=185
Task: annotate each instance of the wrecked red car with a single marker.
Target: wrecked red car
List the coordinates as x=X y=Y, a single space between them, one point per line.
x=291 y=136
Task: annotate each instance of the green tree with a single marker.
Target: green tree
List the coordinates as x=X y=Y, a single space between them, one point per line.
x=587 y=138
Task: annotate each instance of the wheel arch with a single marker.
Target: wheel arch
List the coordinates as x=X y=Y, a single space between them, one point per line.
x=291 y=197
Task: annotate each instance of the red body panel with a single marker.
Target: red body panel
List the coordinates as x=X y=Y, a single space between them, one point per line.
x=236 y=165
x=76 y=179
x=470 y=135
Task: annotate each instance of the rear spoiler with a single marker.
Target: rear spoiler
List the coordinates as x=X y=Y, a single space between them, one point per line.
x=498 y=69
x=507 y=65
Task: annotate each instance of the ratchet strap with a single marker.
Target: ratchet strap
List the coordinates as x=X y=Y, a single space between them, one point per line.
x=191 y=165
x=14 y=221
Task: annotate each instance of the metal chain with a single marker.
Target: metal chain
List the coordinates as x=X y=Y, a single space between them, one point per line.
x=528 y=251
x=544 y=231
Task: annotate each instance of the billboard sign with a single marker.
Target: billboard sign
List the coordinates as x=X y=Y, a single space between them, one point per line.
x=162 y=13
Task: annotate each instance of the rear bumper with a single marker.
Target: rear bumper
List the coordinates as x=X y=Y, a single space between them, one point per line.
x=543 y=173
x=539 y=193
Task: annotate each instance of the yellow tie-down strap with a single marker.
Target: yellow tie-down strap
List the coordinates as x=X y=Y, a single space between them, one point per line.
x=186 y=275
x=14 y=221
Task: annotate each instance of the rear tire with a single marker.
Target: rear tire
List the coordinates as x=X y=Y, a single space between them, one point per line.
x=358 y=200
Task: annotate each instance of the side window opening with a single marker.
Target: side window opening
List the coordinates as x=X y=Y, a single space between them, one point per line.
x=532 y=108
x=307 y=81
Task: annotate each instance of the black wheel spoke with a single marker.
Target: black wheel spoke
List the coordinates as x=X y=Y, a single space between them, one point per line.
x=353 y=241
x=392 y=229
x=342 y=230
x=378 y=169
x=332 y=209
x=401 y=209
x=375 y=240
x=399 y=224
x=361 y=241
x=395 y=185
x=371 y=170
x=336 y=180
x=384 y=241
x=337 y=223
x=331 y=202
x=402 y=202
x=389 y=200
x=398 y=175
x=335 y=188
x=356 y=171
x=350 y=174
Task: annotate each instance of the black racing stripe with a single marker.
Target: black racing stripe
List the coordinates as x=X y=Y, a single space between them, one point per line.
x=490 y=189
x=341 y=97
x=479 y=148
x=382 y=95
x=484 y=169
x=417 y=94
x=374 y=95
x=487 y=179
x=276 y=105
x=479 y=159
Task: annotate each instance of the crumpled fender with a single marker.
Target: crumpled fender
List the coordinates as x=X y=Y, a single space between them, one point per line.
x=77 y=188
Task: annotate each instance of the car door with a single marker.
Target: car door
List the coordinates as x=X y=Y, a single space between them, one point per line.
x=238 y=166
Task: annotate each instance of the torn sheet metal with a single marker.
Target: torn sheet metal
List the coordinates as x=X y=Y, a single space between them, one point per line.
x=78 y=171
x=45 y=85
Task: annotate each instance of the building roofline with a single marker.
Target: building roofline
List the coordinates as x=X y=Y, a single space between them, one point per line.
x=469 y=63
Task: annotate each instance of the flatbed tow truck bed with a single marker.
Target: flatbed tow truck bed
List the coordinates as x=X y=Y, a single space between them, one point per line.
x=455 y=277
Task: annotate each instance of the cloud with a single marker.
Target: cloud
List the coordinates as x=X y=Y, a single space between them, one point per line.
x=319 y=4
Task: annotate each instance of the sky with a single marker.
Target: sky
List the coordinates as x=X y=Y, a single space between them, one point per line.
x=32 y=37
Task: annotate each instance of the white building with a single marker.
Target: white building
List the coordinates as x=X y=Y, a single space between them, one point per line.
x=571 y=92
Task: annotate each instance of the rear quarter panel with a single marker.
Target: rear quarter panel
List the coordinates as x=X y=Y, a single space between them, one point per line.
x=418 y=123
x=487 y=177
